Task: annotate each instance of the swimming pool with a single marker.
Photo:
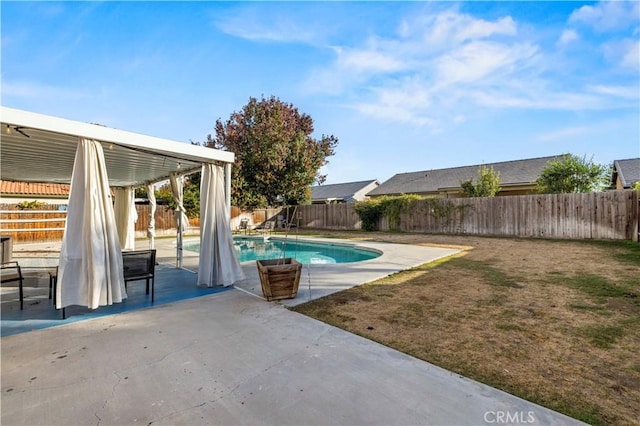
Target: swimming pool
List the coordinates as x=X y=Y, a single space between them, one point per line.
x=306 y=252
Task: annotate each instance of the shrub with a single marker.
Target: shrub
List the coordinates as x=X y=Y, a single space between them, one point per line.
x=488 y=184
x=572 y=174
x=369 y=212
x=391 y=207
x=27 y=205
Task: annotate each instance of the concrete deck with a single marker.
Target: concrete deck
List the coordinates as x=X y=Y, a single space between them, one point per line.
x=232 y=358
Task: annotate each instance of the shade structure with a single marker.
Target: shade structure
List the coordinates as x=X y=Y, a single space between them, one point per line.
x=42 y=148
x=44 y=151
x=126 y=217
x=219 y=265
x=90 y=267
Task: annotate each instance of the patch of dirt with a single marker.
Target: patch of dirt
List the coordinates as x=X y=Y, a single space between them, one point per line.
x=505 y=312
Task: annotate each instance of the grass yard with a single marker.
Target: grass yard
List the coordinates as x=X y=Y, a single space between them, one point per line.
x=554 y=322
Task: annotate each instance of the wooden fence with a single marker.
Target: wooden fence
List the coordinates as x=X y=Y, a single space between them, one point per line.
x=605 y=215
x=46 y=223
x=164 y=221
x=328 y=216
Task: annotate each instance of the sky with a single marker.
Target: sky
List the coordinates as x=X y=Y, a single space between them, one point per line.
x=404 y=86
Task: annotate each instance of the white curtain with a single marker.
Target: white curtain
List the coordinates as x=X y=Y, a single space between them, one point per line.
x=90 y=272
x=182 y=221
x=218 y=264
x=151 y=228
x=177 y=185
x=126 y=217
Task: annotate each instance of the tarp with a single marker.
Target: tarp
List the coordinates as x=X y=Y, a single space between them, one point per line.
x=90 y=268
x=219 y=265
x=126 y=217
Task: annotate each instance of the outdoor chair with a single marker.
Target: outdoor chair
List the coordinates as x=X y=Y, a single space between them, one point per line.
x=268 y=227
x=140 y=265
x=244 y=225
x=11 y=272
x=288 y=225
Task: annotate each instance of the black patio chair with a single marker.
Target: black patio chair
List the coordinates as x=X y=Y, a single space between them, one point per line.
x=11 y=272
x=140 y=265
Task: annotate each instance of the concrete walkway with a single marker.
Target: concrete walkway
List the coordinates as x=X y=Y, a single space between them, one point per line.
x=234 y=359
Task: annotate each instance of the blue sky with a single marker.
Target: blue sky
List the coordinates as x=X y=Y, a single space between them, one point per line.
x=405 y=86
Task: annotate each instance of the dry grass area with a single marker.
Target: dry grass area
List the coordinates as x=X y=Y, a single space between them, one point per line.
x=554 y=322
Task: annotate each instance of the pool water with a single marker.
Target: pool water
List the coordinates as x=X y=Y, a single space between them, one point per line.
x=305 y=252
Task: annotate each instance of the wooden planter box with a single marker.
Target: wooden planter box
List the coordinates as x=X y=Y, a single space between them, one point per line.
x=279 y=278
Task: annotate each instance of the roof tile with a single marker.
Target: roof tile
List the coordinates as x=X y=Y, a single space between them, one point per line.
x=34 y=189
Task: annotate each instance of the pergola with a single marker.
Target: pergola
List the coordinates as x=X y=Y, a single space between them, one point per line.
x=42 y=148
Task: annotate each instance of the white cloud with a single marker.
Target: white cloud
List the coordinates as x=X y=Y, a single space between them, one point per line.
x=450 y=26
x=405 y=102
x=625 y=92
x=478 y=28
x=625 y=53
x=252 y=25
x=608 y=15
x=563 y=134
x=479 y=60
x=631 y=59
x=458 y=119
x=567 y=37
x=406 y=75
x=444 y=65
x=359 y=60
x=547 y=100
x=393 y=112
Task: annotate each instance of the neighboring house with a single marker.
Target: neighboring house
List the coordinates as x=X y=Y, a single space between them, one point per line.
x=625 y=173
x=349 y=192
x=517 y=177
x=49 y=193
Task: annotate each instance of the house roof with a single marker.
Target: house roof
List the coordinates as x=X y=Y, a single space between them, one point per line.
x=42 y=148
x=627 y=170
x=338 y=191
x=516 y=172
x=34 y=189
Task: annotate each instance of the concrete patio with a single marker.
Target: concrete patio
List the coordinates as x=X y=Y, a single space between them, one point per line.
x=233 y=358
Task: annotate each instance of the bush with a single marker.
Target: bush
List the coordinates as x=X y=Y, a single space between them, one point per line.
x=391 y=207
x=27 y=205
x=572 y=174
x=488 y=184
x=370 y=212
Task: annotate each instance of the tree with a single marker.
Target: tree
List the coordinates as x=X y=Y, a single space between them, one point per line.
x=488 y=184
x=571 y=174
x=190 y=195
x=277 y=160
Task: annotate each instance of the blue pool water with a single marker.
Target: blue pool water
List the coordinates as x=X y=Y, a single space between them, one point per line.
x=251 y=248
